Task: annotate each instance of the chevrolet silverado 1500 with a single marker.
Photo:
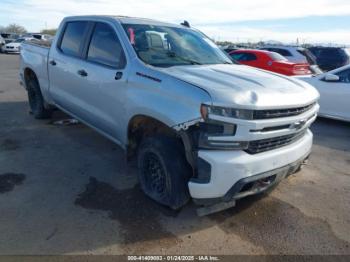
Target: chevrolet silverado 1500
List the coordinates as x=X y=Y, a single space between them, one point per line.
x=198 y=125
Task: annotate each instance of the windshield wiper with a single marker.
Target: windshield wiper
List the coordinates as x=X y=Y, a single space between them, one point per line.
x=193 y=62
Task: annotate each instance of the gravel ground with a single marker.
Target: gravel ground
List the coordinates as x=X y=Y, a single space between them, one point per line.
x=67 y=190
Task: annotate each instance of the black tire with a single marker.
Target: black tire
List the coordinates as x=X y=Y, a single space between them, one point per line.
x=36 y=100
x=163 y=171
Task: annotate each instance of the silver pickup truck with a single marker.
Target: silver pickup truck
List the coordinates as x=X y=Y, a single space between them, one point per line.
x=198 y=125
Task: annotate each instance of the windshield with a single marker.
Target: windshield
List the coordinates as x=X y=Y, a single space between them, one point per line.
x=165 y=46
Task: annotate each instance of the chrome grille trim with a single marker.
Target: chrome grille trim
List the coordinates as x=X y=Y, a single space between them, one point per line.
x=276 y=113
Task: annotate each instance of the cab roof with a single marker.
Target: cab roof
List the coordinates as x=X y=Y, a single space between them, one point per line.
x=125 y=20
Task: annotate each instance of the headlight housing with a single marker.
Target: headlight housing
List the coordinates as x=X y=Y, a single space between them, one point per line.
x=215 y=135
x=206 y=110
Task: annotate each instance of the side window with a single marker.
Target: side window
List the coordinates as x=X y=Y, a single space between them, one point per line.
x=250 y=57
x=105 y=47
x=237 y=56
x=72 y=39
x=243 y=57
x=344 y=76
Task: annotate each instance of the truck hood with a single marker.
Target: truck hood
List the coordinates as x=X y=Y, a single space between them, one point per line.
x=245 y=87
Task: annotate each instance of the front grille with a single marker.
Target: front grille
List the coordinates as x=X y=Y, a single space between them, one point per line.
x=263 y=145
x=275 y=113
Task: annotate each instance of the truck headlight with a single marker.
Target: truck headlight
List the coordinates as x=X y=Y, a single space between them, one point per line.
x=206 y=110
x=213 y=135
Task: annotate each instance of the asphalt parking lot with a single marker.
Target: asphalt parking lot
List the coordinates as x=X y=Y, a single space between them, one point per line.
x=67 y=190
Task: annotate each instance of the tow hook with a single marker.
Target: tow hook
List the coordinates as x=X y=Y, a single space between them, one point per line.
x=265 y=181
x=305 y=162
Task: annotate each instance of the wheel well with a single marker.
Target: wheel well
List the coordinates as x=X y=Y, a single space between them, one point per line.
x=29 y=74
x=142 y=126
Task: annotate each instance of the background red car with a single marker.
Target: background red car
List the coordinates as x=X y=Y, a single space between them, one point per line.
x=270 y=61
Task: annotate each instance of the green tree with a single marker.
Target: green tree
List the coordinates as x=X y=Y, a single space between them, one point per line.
x=15 y=28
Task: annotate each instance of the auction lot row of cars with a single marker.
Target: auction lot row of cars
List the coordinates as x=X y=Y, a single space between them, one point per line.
x=10 y=43
x=189 y=114
x=326 y=68
x=319 y=58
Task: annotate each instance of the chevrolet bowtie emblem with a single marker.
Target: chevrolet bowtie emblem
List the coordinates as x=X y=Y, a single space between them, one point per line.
x=298 y=125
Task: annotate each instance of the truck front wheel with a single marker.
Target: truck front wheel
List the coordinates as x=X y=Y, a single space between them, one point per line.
x=164 y=171
x=36 y=100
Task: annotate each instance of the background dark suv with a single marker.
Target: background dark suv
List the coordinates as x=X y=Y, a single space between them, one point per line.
x=329 y=58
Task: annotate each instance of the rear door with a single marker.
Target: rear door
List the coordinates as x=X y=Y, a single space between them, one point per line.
x=87 y=75
x=64 y=63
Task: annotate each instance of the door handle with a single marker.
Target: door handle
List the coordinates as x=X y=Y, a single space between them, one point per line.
x=53 y=62
x=118 y=75
x=82 y=73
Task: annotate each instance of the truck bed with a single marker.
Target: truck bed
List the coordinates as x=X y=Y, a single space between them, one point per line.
x=34 y=55
x=40 y=43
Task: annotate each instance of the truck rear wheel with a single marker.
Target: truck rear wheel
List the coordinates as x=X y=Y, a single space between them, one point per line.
x=36 y=100
x=164 y=171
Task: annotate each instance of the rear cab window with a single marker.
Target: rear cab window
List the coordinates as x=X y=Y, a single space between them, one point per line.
x=73 y=37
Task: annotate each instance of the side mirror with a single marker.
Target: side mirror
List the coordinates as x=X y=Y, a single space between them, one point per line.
x=331 y=78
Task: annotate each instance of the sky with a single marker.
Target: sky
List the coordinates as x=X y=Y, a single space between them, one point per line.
x=309 y=21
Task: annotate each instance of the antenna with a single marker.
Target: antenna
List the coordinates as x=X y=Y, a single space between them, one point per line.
x=185 y=23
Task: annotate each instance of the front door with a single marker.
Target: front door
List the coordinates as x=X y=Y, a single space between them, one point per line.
x=103 y=87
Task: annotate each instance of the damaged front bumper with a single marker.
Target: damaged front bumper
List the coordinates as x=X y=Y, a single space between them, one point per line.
x=225 y=176
x=256 y=184
x=248 y=186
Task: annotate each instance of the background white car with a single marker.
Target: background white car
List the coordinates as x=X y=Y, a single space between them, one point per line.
x=2 y=43
x=13 y=47
x=334 y=88
x=38 y=36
